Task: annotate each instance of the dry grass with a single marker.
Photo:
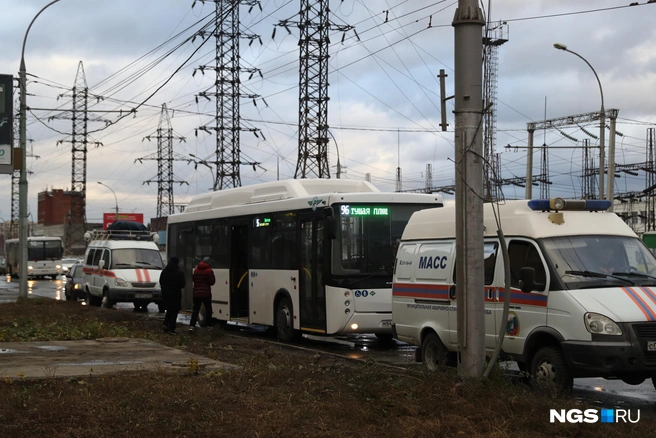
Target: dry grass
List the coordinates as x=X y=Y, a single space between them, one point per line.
x=278 y=392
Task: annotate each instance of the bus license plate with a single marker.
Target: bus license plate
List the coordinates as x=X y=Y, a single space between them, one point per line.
x=651 y=346
x=142 y=295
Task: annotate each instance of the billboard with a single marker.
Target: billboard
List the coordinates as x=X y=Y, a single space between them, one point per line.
x=109 y=218
x=6 y=124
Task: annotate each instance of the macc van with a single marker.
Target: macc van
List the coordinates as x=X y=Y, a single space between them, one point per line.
x=582 y=296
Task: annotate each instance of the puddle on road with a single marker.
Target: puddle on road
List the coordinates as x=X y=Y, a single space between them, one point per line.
x=100 y=362
x=51 y=347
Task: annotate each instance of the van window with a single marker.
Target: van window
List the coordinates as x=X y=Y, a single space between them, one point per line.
x=490 y=250
x=96 y=257
x=90 y=255
x=405 y=261
x=524 y=254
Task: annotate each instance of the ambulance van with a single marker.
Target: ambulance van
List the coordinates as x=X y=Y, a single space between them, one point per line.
x=582 y=297
x=122 y=265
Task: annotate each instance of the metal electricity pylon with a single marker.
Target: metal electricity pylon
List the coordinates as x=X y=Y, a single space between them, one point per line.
x=165 y=158
x=496 y=35
x=79 y=141
x=227 y=90
x=314 y=25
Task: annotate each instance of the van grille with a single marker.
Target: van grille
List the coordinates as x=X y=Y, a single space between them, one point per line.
x=645 y=332
x=142 y=284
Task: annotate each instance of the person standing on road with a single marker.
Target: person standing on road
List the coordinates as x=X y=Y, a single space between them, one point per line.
x=204 y=279
x=172 y=281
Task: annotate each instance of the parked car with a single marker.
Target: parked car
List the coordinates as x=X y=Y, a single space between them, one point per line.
x=74 y=289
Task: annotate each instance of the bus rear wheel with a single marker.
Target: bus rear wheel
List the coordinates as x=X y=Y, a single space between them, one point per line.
x=285 y=321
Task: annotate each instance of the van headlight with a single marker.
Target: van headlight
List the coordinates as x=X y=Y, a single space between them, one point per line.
x=601 y=325
x=30 y=268
x=120 y=282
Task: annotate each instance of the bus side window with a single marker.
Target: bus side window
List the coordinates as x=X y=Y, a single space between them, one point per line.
x=524 y=254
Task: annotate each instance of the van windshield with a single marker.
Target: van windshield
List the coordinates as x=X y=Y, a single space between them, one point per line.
x=136 y=258
x=579 y=260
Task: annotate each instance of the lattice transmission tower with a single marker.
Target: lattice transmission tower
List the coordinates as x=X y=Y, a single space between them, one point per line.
x=314 y=25
x=650 y=181
x=15 y=175
x=496 y=35
x=79 y=141
x=227 y=90
x=165 y=158
x=588 y=179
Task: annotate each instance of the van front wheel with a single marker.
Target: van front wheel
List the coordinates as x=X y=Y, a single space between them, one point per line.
x=434 y=354
x=549 y=369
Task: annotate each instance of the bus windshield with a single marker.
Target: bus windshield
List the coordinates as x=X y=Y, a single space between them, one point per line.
x=581 y=260
x=44 y=250
x=368 y=236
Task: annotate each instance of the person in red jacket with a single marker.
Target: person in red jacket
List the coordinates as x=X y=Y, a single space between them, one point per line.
x=203 y=279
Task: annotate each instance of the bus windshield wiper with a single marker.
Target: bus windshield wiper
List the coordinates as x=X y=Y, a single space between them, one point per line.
x=598 y=275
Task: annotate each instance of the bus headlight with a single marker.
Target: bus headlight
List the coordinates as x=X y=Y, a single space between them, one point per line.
x=347 y=311
x=347 y=303
x=354 y=326
x=601 y=325
x=347 y=293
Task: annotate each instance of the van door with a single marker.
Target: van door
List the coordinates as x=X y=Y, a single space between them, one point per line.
x=527 y=310
x=491 y=296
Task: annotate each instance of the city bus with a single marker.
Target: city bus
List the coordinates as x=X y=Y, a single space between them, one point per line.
x=309 y=256
x=44 y=256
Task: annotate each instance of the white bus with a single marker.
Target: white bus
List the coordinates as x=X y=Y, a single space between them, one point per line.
x=44 y=256
x=306 y=255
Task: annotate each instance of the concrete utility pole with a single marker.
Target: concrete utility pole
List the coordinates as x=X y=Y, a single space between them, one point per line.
x=468 y=23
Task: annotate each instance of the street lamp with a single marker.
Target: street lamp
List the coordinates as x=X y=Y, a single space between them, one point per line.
x=115 y=199
x=198 y=161
x=22 y=181
x=602 y=136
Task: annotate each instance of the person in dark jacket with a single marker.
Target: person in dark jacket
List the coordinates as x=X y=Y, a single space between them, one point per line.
x=203 y=278
x=172 y=281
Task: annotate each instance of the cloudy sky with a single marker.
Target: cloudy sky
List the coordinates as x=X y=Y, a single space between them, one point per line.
x=384 y=108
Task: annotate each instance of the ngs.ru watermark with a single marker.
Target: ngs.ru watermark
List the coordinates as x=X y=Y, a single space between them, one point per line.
x=594 y=416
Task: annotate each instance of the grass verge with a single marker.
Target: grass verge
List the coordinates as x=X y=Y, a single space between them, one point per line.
x=277 y=391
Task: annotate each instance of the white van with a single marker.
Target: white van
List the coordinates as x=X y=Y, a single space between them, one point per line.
x=122 y=266
x=583 y=290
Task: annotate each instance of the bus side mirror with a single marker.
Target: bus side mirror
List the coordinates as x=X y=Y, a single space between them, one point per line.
x=527 y=280
x=101 y=264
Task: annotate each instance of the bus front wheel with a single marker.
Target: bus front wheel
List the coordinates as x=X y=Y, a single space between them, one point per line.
x=285 y=321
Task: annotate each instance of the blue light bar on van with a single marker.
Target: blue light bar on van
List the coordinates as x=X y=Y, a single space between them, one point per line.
x=569 y=204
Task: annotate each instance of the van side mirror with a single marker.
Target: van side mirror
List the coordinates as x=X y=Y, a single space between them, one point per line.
x=527 y=280
x=101 y=264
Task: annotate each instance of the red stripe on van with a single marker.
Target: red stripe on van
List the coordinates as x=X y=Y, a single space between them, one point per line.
x=138 y=271
x=644 y=308
x=146 y=274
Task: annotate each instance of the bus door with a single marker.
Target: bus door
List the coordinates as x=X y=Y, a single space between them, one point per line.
x=312 y=291
x=239 y=280
x=185 y=251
